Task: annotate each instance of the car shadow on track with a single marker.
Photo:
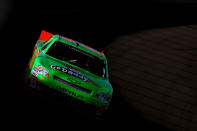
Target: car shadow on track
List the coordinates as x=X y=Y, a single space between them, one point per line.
x=119 y=114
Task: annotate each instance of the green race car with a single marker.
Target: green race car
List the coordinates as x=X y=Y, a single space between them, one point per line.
x=70 y=71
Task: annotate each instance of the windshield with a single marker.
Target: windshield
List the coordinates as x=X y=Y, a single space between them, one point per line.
x=77 y=57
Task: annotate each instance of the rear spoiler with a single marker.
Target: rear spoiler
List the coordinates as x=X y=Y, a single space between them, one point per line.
x=45 y=36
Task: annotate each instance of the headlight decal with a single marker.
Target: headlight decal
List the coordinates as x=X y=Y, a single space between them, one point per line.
x=103 y=96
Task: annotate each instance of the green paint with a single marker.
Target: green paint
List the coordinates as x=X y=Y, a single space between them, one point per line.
x=81 y=78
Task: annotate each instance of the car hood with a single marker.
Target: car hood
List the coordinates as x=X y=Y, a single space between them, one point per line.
x=74 y=74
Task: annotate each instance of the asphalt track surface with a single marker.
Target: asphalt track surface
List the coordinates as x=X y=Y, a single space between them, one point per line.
x=156 y=73
x=138 y=43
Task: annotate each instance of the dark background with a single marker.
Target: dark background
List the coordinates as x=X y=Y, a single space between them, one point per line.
x=95 y=24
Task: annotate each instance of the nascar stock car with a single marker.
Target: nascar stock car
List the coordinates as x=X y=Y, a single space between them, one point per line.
x=70 y=71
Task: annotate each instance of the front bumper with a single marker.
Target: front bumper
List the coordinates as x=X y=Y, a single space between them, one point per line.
x=46 y=86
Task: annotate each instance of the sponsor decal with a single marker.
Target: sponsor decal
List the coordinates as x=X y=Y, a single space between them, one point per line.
x=36 y=68
x=69 y=92
x=70 y=71
x=74 y=81
x=34 y=74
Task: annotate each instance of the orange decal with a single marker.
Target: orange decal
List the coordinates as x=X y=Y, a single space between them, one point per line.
x=33 y=58
x=103 y=54
x=41 y=78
